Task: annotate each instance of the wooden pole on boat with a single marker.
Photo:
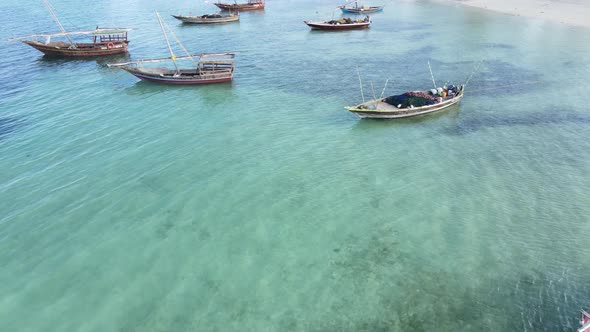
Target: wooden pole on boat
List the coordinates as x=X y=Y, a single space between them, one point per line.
x=54 y=16
x=172 y=56
x=383 y=91
x=431 y=75
x=373 y=89
x=181 y=45
x=360 y=82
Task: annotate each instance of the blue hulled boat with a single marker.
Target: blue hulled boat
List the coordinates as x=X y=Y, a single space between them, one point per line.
x=356 y=9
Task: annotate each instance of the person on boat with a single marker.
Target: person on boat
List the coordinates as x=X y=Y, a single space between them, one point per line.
x=367 y=18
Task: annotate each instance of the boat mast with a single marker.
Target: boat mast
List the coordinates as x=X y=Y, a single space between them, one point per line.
x=431 y=75
x=383 y=91
x=172 y=56
x=180 y=44
x=360 y=82
x=351 y=1
x=54 y=16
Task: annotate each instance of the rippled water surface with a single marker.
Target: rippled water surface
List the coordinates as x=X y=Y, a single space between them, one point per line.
x=262 y=205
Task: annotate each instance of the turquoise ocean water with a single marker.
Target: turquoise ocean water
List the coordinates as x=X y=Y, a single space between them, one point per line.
x=262 y=205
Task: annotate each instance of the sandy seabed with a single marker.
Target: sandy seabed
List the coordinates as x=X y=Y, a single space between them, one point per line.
x=571 y=12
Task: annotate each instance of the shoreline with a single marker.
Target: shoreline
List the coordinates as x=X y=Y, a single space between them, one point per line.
x=568 y=12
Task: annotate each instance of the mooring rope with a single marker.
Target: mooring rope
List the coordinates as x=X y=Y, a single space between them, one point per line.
x=505 y=86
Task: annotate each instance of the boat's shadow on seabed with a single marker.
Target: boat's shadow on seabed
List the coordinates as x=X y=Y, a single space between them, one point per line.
x=141 y=88
x=102 y=61
x=452 y=113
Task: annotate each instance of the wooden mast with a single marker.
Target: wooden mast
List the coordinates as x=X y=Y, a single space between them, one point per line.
x=172 y=56
x=54 y=16
x=162 y=24
x=431 y=75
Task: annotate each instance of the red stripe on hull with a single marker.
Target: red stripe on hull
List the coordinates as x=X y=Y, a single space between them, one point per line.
x=183 y=82
x=52 y=51
x=337 y=26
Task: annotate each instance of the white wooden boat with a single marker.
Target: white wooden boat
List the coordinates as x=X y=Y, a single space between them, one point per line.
x=384 y=108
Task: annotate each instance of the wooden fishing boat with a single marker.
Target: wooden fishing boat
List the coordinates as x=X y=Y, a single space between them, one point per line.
x=210 y=68
x=341 y=24
x=585 y=321
x=409 y=104
x=207 y=68
x=104 y=41
x=356 y=9
x=250 y=5
x=361 y=9
x=208 y=19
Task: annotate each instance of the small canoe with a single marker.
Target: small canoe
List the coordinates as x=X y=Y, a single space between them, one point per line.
x=361 y=10
x=240 y=7
x=342 y=24
x=208 y=19
x=401 y=106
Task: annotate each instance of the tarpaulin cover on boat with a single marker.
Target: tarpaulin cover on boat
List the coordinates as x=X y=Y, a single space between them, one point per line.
x=407 y=99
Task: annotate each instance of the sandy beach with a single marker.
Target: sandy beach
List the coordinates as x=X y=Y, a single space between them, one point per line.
x=571 y=12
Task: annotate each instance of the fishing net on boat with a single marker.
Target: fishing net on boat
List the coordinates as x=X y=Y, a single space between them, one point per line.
x=346 y=20
x=416 y=99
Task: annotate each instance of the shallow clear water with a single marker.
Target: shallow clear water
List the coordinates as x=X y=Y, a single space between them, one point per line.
x=262 y=205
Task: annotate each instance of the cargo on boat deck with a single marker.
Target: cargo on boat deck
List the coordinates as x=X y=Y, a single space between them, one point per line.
x=411 y=99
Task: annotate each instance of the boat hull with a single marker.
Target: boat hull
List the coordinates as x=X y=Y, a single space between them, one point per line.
x=240 y=7
x=326 y=26
x=61 y=49
x=361 y=10
x=168 y=79
x=202 y=20
x=402 y=113
x=584 y=321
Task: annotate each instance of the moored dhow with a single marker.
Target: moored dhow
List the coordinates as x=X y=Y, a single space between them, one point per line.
x=240 y=7
x=409 y=104
x=356 y=9
x=207 y=68
x=208 y=19
x=104 y=41
x=210 y=68
x=341 y=24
